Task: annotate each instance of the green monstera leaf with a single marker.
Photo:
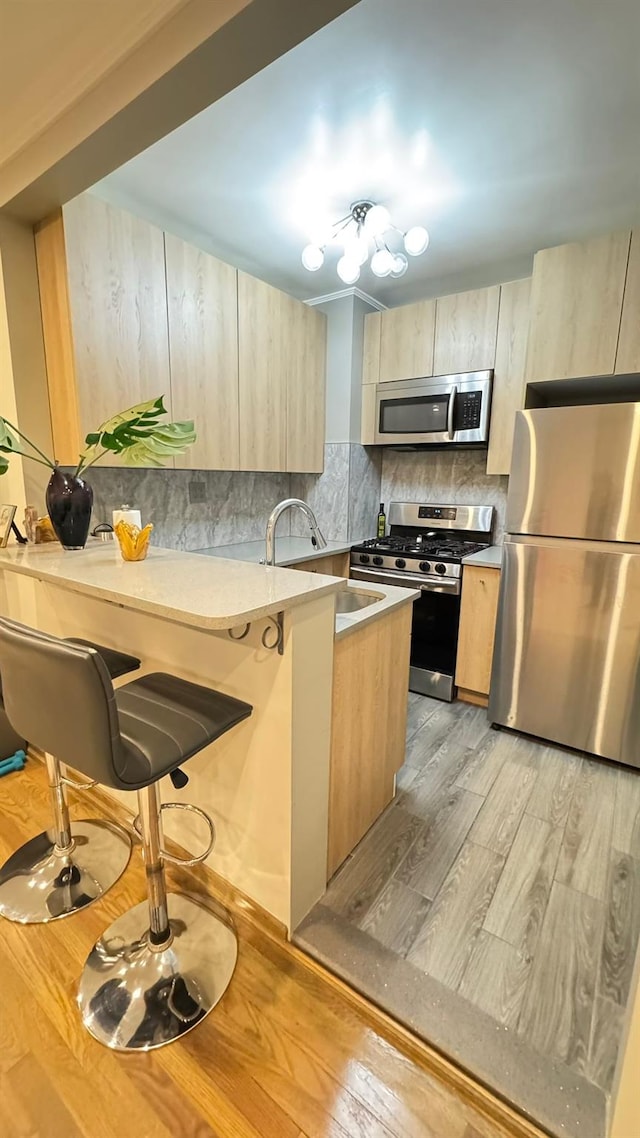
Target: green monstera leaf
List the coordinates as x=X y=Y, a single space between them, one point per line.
x=137 y=433
x=139 y=436
x=8 y=441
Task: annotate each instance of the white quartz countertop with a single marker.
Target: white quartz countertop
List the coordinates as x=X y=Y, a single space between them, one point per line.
x=289 y=550
x=202 y=591
x=490 y=558
x=388 y=597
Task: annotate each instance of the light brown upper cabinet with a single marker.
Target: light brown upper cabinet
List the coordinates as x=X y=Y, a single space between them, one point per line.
x=371 y=348
x=368 y=415
x=262 y=359
x=104 y=310
x=282 y=379
x=466 y=328
x=576 y=305
x=203 y=352
x=628 y=355
x=306 y=333
x=508 y=386
x=406 y=341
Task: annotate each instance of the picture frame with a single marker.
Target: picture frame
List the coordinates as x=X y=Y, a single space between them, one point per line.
x=7 y=514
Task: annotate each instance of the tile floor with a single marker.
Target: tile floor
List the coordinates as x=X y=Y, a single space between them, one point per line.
x=495 y=908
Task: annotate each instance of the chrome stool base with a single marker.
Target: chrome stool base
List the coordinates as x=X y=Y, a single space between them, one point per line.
x=39 y=884
x=135 y=997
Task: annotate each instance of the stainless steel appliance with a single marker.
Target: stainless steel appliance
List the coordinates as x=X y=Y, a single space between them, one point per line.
x=566 y=663
x=447 y=410
x=424 y=550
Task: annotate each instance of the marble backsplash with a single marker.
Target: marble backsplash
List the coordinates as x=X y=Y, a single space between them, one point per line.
x=446 y=476
x=345 y=497
x=236 y=504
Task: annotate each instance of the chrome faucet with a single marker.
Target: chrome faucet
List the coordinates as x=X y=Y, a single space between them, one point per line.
x=290 y=504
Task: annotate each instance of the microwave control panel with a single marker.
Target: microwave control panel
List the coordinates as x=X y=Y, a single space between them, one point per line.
x=467 y=411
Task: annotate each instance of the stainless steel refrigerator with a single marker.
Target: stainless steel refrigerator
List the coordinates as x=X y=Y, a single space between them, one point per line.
x=566 y=664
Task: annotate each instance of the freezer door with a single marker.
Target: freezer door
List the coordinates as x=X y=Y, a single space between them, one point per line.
x=566 y=664
x=576 y=473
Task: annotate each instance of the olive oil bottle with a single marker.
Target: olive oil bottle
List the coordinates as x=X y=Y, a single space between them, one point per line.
x=382 y=521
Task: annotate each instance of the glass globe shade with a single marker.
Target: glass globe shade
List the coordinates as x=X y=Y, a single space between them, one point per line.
x=348 y=270
x=400 y=265
x=382 y=262
x=377 y=220
x=312 y=257
x=416 y=240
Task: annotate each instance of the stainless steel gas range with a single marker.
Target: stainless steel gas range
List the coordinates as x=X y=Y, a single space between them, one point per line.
x=424 y=549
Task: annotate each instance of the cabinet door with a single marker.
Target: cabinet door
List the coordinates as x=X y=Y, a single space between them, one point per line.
x=466 y=326
x=305 y=332
x=203 y=352
x=576 y=304
x=118 y=306
x=334 y=565
x=371 y=348
x=478 y=609
x=406 y=341
x=262 y=360
x=508 y=380
x=628 y=354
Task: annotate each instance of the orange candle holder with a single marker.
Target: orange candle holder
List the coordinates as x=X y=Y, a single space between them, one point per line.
x=133 y=541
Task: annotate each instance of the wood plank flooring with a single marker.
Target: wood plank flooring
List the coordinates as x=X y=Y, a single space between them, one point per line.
x=509 y=871
x=286 y=1054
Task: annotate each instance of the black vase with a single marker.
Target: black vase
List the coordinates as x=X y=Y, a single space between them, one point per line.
x=69 y=504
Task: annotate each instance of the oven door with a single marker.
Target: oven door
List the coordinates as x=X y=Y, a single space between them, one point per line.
x=449 y=410
x=434 y=628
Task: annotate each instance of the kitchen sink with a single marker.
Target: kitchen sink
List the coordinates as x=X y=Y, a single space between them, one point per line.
x=350 y=600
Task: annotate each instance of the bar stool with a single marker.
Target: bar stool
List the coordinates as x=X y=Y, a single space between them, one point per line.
x=65 y=868
x=163 y=965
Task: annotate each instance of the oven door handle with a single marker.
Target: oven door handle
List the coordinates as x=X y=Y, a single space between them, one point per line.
x=450 y=411
x=450 y=586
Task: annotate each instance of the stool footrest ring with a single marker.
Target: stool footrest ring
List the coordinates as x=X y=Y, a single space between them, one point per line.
x=194 y=810
x=72 y=782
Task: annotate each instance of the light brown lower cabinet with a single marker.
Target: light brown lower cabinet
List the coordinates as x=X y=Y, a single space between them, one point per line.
x=478 y=610
x=334 y=565
x=370 y=694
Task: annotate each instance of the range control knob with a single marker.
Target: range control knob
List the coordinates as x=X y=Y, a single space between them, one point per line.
x=364 y=558
x=425 y=566
x=378 y=561
x=441 y=569
x=400 y=563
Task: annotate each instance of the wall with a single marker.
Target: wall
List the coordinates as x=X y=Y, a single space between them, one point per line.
x=24 y=398
x=346 y=496
x=456 y=476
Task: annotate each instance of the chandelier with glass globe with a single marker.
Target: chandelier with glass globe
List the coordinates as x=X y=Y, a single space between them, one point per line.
x=368 y=228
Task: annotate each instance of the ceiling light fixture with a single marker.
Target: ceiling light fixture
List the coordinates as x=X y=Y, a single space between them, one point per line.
x=367 y=222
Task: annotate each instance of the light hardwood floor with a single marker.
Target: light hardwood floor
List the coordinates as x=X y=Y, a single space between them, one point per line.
x=509 y=872
x=286 y=1054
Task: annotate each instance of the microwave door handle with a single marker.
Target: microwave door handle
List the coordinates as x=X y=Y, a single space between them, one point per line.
x=450 y=411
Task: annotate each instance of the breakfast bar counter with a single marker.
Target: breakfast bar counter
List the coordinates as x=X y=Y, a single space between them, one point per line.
x=206 y=592
x=262 y=634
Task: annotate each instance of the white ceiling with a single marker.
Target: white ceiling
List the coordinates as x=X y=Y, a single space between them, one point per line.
x=505 y=126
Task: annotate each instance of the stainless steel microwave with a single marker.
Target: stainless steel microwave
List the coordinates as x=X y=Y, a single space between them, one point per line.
x=447 y=410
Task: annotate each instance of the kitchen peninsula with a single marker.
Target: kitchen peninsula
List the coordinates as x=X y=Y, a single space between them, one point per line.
x=262 y=633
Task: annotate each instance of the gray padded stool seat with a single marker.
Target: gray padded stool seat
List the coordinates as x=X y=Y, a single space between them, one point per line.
x=66 y=868
x=162 y=966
